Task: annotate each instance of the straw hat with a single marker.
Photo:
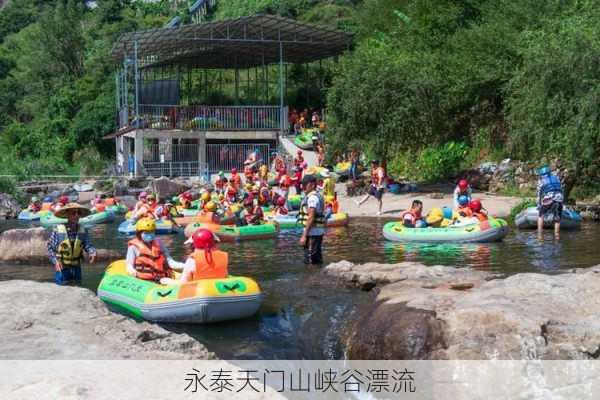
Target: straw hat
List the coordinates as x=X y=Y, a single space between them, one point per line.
x=81 y=210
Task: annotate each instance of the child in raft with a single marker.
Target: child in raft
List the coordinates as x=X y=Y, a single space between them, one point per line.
x=206 y=261
x=253 y=213
x=280 y=208
x=413 y=217
x=34 y=204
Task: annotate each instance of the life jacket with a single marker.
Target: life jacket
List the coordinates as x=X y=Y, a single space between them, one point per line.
x=110 y=201
x=151 y=264
x=254 y=217
x=465 y=212
x=481 y=216
x=213 y=268
x=145 y=211
x=263 y=197
x=100 y=207
x=46 y=207
x=329 y=187
x=550 y=184
x=34 y=207
x=285 y=182
x=207 y=217
x=70 y=252
x=319 y=220
x=375 y=176
x=414 y=216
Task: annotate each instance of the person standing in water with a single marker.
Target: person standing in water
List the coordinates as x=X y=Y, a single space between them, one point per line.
x=67 y=244
x=312 y=217
x=549 y=199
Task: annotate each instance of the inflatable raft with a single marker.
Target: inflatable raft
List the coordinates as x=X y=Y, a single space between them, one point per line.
x=527 y=219
x=304 y=140
x=229 y=233
x=27 y=215
x=290 y=221
x=294 y=201
x=198 y=302
x=343 y=168
x=104 y=217
x=163 y=227
x=488 y=231
x=117 y=209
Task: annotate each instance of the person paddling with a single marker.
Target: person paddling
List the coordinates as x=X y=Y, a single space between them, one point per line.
x=67 y=244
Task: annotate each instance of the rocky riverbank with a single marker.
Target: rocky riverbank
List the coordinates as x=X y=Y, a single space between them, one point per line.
x=444 y=313
x=46 y=321
x=29 y=246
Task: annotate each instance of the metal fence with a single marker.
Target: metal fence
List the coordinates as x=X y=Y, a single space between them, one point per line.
x=224 y=157
x=167 y=152
x=212 y=118
x=173 y=169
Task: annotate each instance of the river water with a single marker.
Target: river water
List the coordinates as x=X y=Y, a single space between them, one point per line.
x=304 y=314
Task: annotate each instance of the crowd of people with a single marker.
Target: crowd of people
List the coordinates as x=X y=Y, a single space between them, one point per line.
x=299 y=120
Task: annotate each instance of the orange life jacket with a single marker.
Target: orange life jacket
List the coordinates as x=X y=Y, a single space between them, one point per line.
x=145 y=211
x=46 y=206
x=481 y=216
x=213 y=268
x=110 y=202
x=151 y=264
x=100 y=207
x=413 y=214
x=465 y=212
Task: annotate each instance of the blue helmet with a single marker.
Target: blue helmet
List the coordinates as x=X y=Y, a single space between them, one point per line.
x=48 y=199
x=544 y=170
x=463 y=200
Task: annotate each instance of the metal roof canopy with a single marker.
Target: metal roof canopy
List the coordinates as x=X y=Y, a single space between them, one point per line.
x=244 y=42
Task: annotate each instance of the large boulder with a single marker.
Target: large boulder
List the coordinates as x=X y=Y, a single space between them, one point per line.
x=451 y=313
x=9 y=207
x=167 y=188
x=46 y=321
x=29 y=246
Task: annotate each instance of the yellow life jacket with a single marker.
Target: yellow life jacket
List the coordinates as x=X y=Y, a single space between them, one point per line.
x=319 y=216
x=69 y=252
x=329 y=187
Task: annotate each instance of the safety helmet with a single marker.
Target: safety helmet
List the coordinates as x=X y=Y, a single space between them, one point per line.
x=221 y=173
x=205 y=196
x=463 y=184
x=187 y=196
x=435 y=215
x=211 y=206
x=34 y=199
x=145 y=225
x=475 y=205
x=174 y=199
x=281 y=201
x=234 y=170
x=544 y=170
x=143 y=195
x=63 y=200
x=235 y=208
x=203 y=239
x=463 y=200
x=48 y=199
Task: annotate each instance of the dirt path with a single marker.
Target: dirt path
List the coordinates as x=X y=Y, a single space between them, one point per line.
x=394 y=205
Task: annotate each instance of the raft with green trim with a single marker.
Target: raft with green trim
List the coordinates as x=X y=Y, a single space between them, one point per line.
x=294 y=201
x=50 y=220
x=304 y=140
x=527 y=219
x=486 y=231
x=290 y=221
x=117 y=209
x=230 y=233
x=342 y=168
x=163 y=227
x=197 y=302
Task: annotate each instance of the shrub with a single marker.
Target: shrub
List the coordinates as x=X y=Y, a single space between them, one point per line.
x=89 y=161
x=438 y=163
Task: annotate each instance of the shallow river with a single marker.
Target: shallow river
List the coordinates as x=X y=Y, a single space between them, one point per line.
x=303 y=314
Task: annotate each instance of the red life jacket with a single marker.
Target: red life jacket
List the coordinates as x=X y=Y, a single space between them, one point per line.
x=414 y=216
x=151 y=264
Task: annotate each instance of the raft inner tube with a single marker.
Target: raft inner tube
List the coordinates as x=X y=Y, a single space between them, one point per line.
x=527 y=219
x=50 y=220
x=486 y=231
x=229 y=233
x=197 y=302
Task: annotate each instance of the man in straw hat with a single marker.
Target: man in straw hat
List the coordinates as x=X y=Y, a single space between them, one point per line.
x=67 y=244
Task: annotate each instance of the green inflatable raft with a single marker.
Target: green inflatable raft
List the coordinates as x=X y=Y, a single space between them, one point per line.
x=104 y=217
x=492 y=230
x=304 y=140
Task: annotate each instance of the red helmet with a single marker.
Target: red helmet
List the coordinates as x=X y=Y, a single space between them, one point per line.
x=463 y=184
x=203 y=239
x=475 y=205
x=63 y=200
x=187 y=196
x=249 y=201
x=234 y=170
x=281 y=201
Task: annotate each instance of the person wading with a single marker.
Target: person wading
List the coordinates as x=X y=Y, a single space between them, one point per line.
x=67 y=244
x=312 y=217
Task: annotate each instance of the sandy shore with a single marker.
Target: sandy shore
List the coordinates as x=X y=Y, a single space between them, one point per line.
x=395 y=204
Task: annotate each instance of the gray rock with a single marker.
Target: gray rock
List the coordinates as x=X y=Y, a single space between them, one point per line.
x=9 y=207
x=28 y=246
x=167 y=188
x=46 y=321
x=450 y=313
